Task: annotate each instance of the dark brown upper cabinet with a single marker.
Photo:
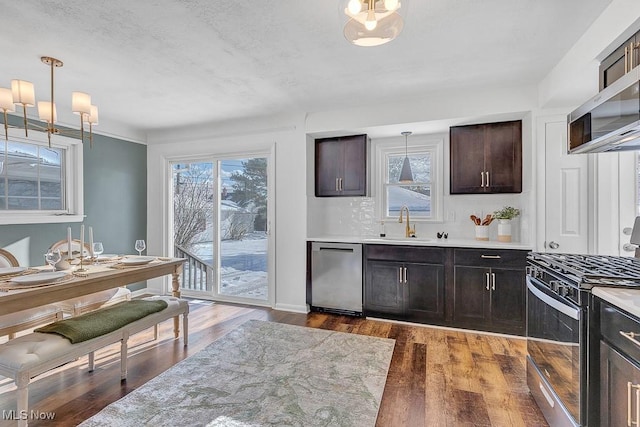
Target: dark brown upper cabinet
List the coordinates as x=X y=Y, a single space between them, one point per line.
x=341 y=166
x=620 y=61
x=486 y=158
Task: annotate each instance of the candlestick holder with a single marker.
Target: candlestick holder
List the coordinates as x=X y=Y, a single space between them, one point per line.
x=81 y=269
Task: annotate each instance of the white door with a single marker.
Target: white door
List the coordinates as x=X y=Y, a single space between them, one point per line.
x=566 y=191
x=628 y=201
x=221 y=214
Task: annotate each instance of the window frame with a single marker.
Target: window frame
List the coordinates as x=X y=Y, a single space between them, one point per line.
x=418 y=144
x=73 y=188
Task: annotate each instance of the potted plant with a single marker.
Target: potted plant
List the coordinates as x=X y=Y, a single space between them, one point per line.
x=504 y=217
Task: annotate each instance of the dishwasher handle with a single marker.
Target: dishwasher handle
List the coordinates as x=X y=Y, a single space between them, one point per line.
x=336 y=249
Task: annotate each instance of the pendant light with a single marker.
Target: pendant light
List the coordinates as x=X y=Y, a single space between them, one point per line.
x=406 y=176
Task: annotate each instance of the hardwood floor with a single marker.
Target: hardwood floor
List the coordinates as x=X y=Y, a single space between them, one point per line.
x=437 y=377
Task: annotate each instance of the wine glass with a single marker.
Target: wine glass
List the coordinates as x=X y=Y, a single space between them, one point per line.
x=140 y=246
x=98 y=249
x=52 y=258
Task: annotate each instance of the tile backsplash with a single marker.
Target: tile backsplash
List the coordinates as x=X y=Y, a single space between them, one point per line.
x=358 y=217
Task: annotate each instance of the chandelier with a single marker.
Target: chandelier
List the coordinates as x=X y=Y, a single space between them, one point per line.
x=371 y=22
x=22 y=94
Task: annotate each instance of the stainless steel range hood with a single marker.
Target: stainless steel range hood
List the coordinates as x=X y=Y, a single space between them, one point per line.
x=610 y=121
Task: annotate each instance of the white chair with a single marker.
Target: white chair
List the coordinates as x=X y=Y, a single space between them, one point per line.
x=26 y=319
x=80 y=305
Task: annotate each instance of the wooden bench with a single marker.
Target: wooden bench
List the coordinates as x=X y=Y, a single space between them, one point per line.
x=28 y=356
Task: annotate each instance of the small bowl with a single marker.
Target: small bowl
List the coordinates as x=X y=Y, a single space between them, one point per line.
x=62 y=265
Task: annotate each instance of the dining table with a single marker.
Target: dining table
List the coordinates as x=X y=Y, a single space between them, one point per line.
x=90 y=278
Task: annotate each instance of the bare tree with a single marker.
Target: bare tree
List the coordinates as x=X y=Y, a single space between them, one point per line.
x=192 y=202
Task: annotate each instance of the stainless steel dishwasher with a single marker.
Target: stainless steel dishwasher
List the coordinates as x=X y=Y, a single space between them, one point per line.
x=336 y=278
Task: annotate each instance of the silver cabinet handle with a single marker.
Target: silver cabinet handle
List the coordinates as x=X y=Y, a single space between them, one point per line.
x=630 y=421
x=337 y=184
x=341 y=187
x=399 y=274
x=488 y=182
x=482 y=178
x=493 y=281
x=405 y=275
x=490 y=256
x=628 y=393
x=487 y=280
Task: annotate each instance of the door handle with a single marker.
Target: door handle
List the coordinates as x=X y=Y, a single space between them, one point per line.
x=628 y=247
x=493 y=281
x=488 y=182
x=490 y=256
x=341 y=187
x=487 y=280
x=405 y=275
x=482 y=178
x=337 y=184
x=400 y=275
x=554 y=245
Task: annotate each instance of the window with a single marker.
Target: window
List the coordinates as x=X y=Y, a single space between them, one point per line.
x=38 y=183
x=423 y=196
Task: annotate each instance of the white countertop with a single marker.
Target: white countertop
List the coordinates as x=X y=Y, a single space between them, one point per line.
x=447 y=243
x=626 y=299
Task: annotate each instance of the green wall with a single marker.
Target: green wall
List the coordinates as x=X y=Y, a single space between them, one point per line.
x=115 y=203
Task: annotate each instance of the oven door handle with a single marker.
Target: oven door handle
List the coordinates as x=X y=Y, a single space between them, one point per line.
x=554 y=303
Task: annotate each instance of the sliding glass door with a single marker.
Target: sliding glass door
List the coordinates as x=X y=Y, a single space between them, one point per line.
x=220 y=225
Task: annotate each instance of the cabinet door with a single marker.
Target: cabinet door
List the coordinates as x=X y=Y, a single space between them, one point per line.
x=508 y=300
x=616 y=372
x=471 y=299
x=613 y=66
x=467 y=159
x=503 y=157
x=424 y=292
x=328 y=166
x=383 y=294
x=354 y=170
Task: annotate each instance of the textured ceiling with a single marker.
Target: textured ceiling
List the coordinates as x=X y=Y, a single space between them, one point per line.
x=155 y=64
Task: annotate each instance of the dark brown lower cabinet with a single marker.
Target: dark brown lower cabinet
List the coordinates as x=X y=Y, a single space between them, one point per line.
x=619 y=388
x=404 y=291
x=490 y=299
x=486 y=291
x=400 y=290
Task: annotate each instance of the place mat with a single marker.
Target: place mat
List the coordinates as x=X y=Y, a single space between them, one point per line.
x=8 y=277
x=10 y=286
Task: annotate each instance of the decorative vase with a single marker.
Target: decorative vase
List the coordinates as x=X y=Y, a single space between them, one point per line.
x=504 y=230
x=482 y=232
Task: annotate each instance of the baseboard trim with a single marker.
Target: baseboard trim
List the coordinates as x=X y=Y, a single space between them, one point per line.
x=292 y=308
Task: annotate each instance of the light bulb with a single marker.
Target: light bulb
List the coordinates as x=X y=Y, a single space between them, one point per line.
x=371 y=23
x=354 y=7
x=391 y=4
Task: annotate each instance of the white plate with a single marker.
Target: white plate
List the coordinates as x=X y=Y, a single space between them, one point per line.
x=11 y=270
x=107 y=256
x=34 y=279
x=137 y=260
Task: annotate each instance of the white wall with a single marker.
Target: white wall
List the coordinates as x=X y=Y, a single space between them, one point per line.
x=287 y=133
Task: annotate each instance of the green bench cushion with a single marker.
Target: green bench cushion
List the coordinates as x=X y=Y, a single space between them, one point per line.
x=103 y=321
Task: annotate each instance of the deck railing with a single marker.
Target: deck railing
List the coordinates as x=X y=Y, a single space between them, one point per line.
x=197 y=275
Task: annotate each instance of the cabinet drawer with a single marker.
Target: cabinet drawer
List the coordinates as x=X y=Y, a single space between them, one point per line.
x=612 y=322
x=490 y=258
x=405 y=253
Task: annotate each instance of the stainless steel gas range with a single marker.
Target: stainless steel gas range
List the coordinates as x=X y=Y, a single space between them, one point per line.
x=558 y=334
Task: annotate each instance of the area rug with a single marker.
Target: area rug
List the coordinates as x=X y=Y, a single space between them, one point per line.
x=264 y=374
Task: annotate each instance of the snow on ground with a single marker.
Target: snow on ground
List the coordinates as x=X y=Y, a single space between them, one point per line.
x=243 y=269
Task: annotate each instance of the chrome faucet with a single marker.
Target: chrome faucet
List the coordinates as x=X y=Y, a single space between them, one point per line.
x=409 y=232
